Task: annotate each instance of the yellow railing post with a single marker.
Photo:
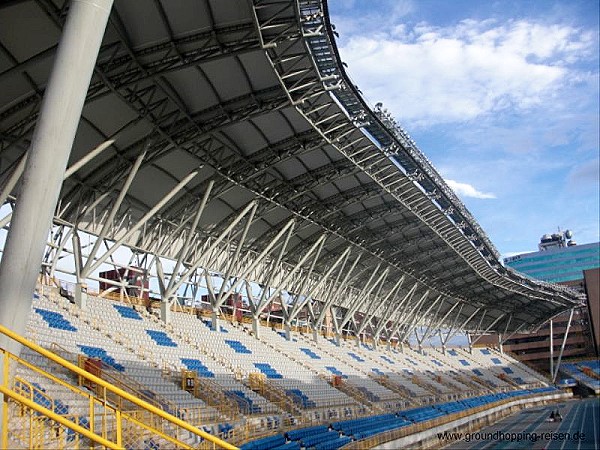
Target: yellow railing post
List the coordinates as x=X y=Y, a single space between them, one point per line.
x=5 y=382
x=119 y=429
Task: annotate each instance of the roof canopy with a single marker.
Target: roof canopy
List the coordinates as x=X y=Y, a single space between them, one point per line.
x=308 y=189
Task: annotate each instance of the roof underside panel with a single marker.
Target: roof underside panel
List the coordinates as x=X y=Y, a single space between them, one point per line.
x=278 y=128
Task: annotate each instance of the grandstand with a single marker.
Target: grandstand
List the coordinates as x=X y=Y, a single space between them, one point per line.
x=211 y=239
x=587 y=373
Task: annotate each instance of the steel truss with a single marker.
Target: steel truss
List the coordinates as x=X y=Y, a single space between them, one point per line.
x=365 y=234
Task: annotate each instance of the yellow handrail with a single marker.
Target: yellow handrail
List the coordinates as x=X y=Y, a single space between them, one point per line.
x=73 y=368
x=57 y=417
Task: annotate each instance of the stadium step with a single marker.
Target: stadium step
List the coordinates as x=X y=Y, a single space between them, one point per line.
x=350 y=390
x=259 y=383
x=211 y=393
x=404 y=393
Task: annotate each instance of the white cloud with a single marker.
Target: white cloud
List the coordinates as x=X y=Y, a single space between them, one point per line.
x=467 y=190
x=427 y=75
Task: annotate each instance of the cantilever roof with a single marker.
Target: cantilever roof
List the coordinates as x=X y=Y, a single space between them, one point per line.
x=253 y=96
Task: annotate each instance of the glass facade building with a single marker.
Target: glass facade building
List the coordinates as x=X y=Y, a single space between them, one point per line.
x=577 y=266
x=557 y=265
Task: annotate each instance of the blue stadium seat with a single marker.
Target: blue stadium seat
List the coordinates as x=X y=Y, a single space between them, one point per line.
x=334 y=370
x=268 y=370
x=310 y=353
x=356 y=357
x=267 y=443
x=238 y=346
x=127 y=312
x=300 y=433
x=55 y=320
x=198 y=366
x=97 y=352
x=315 y=439
x=244 y=402
x=300 y=398
x=372 y=397
x=161 y=338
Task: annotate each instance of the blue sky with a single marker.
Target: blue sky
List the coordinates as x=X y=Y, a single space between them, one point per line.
x=502 y=96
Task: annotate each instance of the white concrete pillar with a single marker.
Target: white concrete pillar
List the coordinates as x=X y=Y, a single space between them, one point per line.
x=81 y=295
x=287 y=329
x=48 y=155
x=214 y=323
x=165 y=311
x=47 y=160
x=256 y=327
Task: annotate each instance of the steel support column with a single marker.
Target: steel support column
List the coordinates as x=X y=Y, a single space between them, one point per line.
x=562 y=347
x=551 y=348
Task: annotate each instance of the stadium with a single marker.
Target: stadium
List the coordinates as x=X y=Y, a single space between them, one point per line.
x=211 y=240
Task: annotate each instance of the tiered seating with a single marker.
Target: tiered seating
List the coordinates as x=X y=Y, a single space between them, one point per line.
x=38 y=394
x=406 y=369
x=370 y=426
x=341 y=362
x=496 y=362
x=340 y=433
x=422 y=414
x=140 y=346
x=265 y=443
x=121 y=357
x=161 y=338
x=300 y=398
x=160 y=345
x=284 y=372
x=437 y=373
x=578 y=372
x=220 y=357
x=470 y=367
x=127 y=312
x=269 y=371
x=319 y=437
x=310 y=353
